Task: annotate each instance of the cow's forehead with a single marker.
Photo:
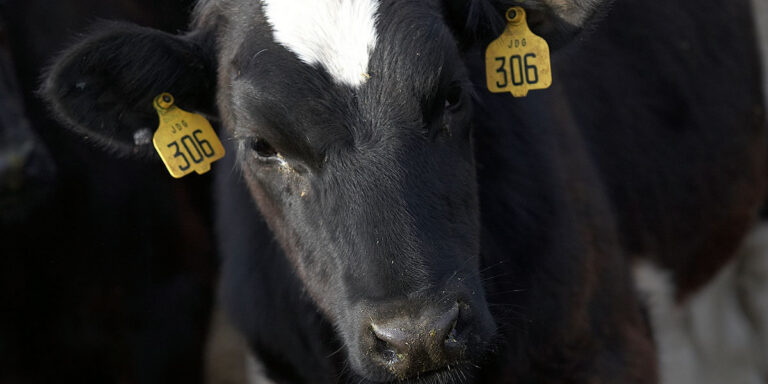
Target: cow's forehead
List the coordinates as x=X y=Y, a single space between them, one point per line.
x=321 y=96
x=337 y=34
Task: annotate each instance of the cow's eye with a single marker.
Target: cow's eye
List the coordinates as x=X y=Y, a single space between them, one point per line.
x=263 y=149
x=453 y=98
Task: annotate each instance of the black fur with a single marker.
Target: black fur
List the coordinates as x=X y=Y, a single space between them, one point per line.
x=674 y=118
x=110 y=79
x=420 y=189
x=27 y=172
x=109 y=278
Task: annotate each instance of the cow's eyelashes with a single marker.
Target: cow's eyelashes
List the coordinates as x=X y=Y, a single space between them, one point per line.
x=449 y=99
x=453 y=97
x=262 y=148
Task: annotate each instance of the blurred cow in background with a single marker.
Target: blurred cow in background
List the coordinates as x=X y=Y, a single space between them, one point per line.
x=719 y=334
x=27 y=172
x=105 y=269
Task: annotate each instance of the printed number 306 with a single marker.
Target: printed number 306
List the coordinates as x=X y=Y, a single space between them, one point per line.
x=518 y=70
x=195 y=149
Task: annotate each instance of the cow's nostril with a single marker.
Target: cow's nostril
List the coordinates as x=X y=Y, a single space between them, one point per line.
x=393 y=338
x=418 y=343
x=452 y=334
x=385 y=350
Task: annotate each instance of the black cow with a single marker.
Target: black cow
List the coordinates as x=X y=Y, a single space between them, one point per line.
x=427 y=230
x=106 y=272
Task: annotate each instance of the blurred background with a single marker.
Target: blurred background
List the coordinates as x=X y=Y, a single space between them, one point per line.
x=107 y=267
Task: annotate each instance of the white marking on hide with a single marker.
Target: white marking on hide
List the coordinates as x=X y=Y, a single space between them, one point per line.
x=226 y=352
x=752 y=286
x=719 y=335
x=337 y=34
x=677 y=358
x=228 y=359
x=574 y=12
x=255 y=371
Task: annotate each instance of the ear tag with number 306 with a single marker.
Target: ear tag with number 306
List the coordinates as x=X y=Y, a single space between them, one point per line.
x=185 y=141
x=517 y=61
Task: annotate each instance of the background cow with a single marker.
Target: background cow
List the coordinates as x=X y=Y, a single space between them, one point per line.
x=106 y=273
x=27 y=172
x=720 y=333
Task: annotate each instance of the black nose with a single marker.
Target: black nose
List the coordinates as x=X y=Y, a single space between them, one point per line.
x=410 y=345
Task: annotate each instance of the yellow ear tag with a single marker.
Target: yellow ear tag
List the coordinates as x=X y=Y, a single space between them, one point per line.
x=185 y=141
x=517 y=61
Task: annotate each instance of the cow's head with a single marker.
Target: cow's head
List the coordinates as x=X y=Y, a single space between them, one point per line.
x=351 y=121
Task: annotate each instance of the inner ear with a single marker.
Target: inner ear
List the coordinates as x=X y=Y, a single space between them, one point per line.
x=104 y=85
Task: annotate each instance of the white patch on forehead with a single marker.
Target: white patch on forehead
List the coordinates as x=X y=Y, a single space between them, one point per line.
x=337 y=34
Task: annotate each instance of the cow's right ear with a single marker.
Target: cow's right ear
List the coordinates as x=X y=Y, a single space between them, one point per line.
x=557 y=21
x=103 y=86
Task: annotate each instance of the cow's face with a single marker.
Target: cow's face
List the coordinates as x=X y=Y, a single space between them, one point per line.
x=351 y=120
x=353 y=132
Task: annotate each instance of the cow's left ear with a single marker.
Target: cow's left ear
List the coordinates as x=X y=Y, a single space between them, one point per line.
x=103 y=87
x=557 y=21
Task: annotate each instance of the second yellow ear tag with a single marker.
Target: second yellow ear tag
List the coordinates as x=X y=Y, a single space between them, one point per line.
x=517 y=61
x=185 y=141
